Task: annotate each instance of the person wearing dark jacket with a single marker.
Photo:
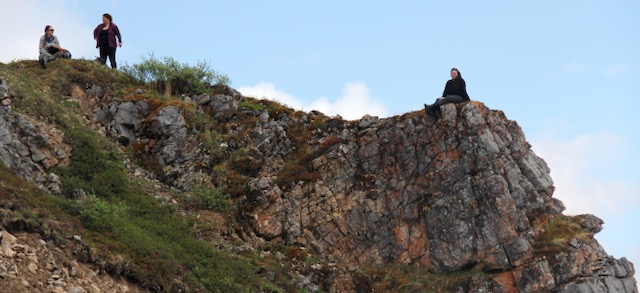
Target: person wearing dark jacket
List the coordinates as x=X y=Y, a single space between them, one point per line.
x=455 y=91
x=105 y=35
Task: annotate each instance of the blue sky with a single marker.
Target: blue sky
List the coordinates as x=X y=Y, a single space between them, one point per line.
x=566 y=71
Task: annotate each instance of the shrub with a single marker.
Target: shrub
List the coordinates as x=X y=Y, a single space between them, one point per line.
x=297 y=170
x=95 y=168
x=556 y=234
x=328 y=142
x=172 y=77
x=99 y=215
x=252 y=104
x=211 y=197
x=405 y=278
x=211 y=142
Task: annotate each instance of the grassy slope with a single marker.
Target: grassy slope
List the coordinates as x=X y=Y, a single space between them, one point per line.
x=157 y=245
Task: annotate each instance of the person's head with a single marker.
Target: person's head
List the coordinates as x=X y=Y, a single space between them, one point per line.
x=455 y=73
x=106 y=18
x=48 y=30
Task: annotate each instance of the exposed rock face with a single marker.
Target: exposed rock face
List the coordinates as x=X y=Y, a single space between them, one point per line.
x=446 y=195
x=464 y=192
x=31 y=147
x=30 y=264
x=5 y=95
x=223 y=106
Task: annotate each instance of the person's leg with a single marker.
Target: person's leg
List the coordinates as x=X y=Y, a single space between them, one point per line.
x=51 y=57
x=57 y=55
x=446 y=100
x=103 y=55
x=429 y=109
x=42 y=60
x=453 y=99
x=112 y=57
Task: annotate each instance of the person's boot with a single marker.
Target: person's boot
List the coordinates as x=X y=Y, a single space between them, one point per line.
x=43 y=63
x=429 y=112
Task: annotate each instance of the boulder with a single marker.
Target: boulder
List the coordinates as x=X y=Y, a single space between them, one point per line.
x=223 y=106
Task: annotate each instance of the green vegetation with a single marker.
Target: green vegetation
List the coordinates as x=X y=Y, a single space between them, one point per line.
x=172 y=77
x=251 y=104
x=405 y=278
x=210 y=197
x=118 y=217
x=39 y=93
x=101 y=215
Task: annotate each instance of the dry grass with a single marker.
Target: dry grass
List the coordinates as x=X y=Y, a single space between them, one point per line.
x=405 y=278
x=556 y=233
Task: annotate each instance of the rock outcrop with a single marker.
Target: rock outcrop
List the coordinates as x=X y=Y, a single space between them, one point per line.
x=31 y=147
x=29 y=263
x=462 y=193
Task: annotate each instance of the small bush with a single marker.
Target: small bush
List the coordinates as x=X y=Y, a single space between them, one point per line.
x=328 y=142
x=211 y=197
x=211 y=142
x=172 y=77
x=556 y=234
x=99 y=215
x=95 y=168
x=298 y=169
x=405 y=278
x=252 y=104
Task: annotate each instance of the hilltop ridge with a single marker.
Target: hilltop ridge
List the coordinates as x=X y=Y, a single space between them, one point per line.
x=255 y=196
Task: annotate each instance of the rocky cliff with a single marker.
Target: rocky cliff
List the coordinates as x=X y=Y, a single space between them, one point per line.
x=462 y=199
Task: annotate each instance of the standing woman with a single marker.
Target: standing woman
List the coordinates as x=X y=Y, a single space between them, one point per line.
x=455 y=91
x=105 y=35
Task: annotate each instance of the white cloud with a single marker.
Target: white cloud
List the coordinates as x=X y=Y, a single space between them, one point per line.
x=268 y=91
x=589 y=172
x=613 y=70
x=574 y=68
x=355 y=102
x=24 y=22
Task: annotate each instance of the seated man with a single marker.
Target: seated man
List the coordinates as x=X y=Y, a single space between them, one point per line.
x=50 y=47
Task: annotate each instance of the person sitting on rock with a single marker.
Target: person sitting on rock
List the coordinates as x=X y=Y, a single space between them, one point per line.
x=455 y=91
x=50 y=47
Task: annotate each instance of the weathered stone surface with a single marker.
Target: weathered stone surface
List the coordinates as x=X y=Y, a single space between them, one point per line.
x=464 y=192
x=223 y=106
x=169 y=127
x=472 y=192
x=33 y=267
x=445 y=195
x=31 y=147
x=367 y=120
x=202 y=99
x=5 y=90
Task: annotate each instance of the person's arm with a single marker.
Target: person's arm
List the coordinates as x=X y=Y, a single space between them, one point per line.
x=117 y=34
x=95 y=33
x=43 y=46
x=464 y=90
x=56 y=44
x=444 y=92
